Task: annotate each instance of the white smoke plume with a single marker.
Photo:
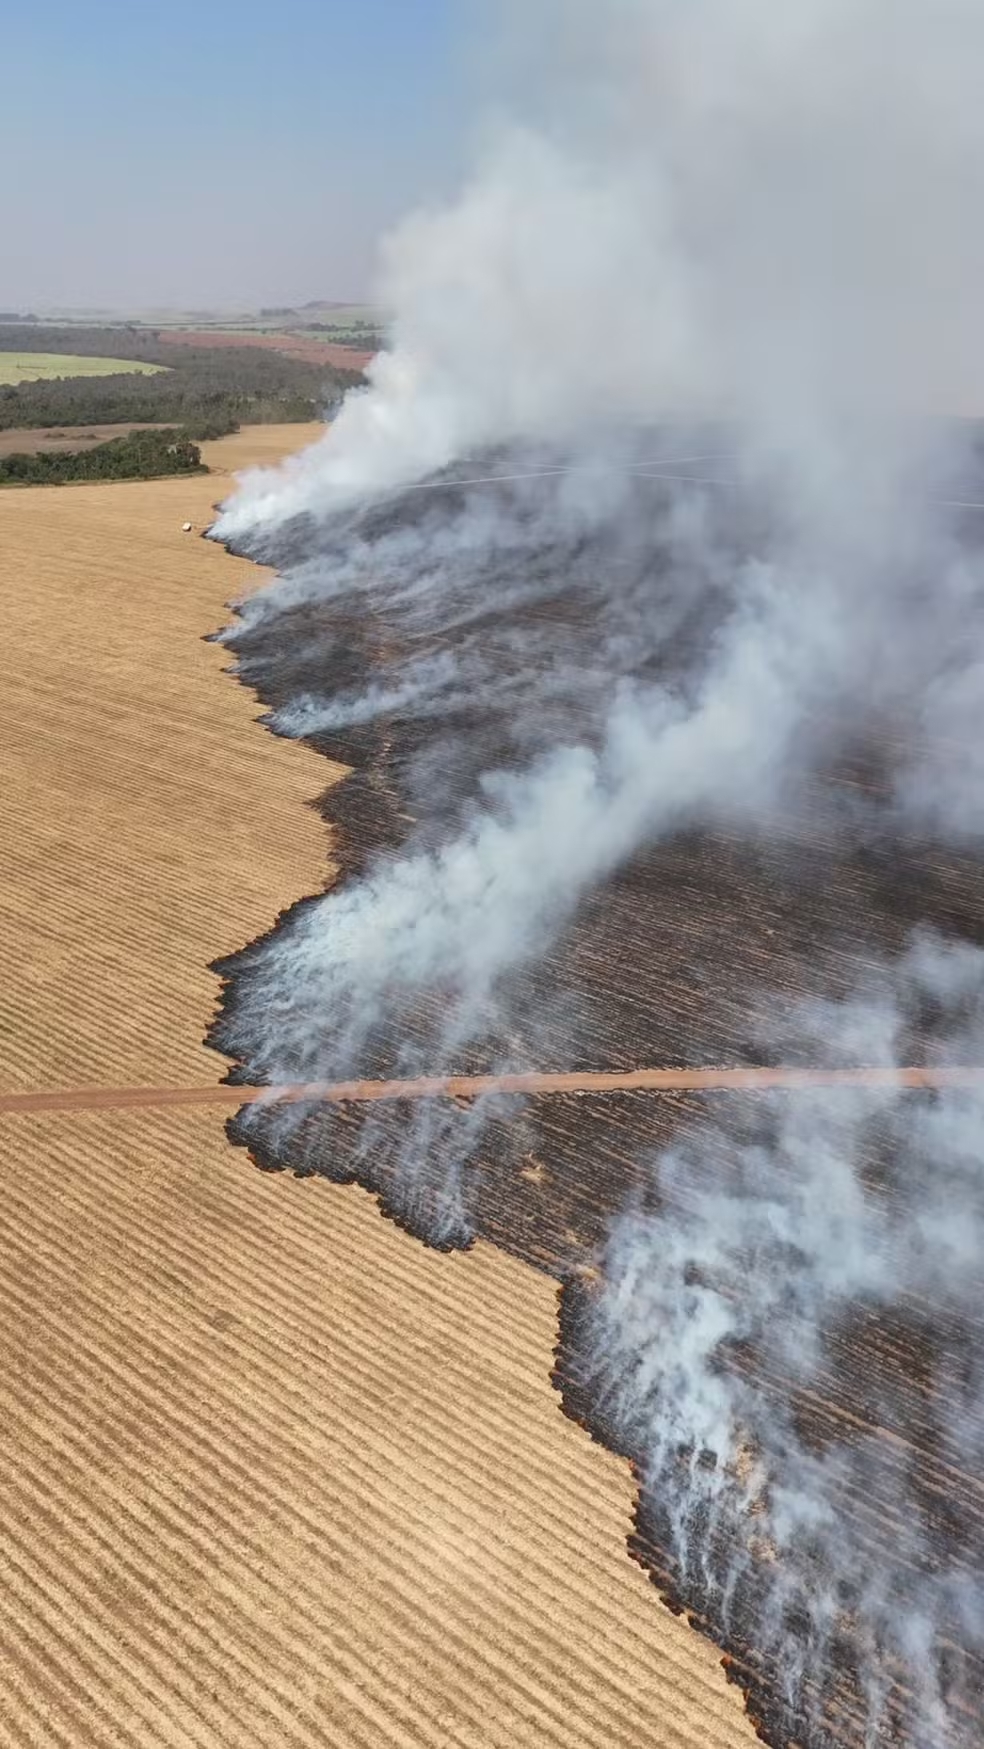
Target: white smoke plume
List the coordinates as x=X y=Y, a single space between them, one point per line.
x=774 y=218
x=734 y=211
x=804 y=639
x=763 y=1237
x=714 y=205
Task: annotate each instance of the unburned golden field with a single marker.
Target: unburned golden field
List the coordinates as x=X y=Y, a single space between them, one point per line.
x=33 y=367
x=273 y=1474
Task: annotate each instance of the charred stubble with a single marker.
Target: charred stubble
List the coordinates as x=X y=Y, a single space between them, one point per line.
x=655 y=966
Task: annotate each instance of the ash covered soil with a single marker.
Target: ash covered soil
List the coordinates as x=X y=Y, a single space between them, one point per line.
x=679 y=955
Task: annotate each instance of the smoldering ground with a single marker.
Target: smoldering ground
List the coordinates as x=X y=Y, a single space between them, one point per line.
x=628 y=754
x=737 y=809
x=789 y=1241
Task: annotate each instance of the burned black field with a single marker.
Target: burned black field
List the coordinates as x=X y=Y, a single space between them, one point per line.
x=689 y=952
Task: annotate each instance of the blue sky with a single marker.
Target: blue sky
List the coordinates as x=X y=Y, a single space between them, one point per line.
x=220 y=152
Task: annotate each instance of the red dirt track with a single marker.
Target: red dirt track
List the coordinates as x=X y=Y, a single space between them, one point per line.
x=473 y=1086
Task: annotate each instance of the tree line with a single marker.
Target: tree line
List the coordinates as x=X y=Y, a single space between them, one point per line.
x=140 y=455
x=207 y=390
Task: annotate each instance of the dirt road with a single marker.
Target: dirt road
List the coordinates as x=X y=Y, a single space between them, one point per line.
x=476 y=1086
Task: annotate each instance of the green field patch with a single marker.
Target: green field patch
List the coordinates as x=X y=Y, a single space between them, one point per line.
x=36 y=367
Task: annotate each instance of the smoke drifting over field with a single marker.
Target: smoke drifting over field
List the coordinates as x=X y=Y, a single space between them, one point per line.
x=772 y=217
x=795 y=1224
x=769 y=219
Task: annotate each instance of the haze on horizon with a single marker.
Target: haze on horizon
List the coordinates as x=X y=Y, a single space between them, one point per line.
x=223 y=156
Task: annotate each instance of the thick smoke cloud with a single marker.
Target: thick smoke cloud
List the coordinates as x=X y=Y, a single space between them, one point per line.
x=805 y=646
x=772 y=216
x=769 y=218
x=789 y=1220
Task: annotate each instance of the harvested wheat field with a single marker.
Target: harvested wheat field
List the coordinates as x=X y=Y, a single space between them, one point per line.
x=34 y=367
x=273 y=1472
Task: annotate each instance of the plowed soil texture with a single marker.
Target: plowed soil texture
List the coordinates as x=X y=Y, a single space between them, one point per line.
x=303 y=346
x=272 y=1473
x=656 y=967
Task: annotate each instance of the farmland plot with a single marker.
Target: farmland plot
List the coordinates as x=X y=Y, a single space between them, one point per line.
x=274 y=1473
